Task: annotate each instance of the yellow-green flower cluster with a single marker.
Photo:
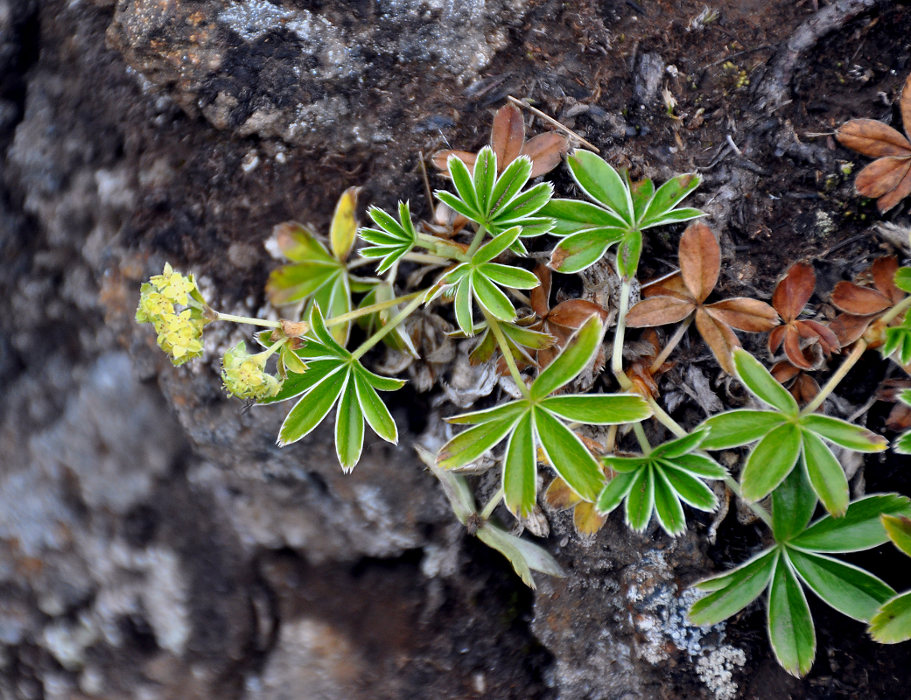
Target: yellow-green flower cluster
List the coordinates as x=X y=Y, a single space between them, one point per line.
x=179 y=331
x=245 y=375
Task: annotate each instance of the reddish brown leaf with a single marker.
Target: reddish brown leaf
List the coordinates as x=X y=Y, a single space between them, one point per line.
x=586 y=519
x=700 y=260
x=860 y=301
x=784 y=372
x=793 y=350
x=540 y=295
x=882 y=176
x=820 y=332
x=905 y=104
x=546 y=151
x=507 y=135
x=848 y=328
x=775 y=338
x=745 y=314
x=889 y=200
x=794 y=291
x=720 y=339
x=899 y=417
x=573 y=313
x=804 y=389
x=440 y=159
x=670 y=285
x=872 y=138
x=883 y=270
x=559 y=496
x=658 y=311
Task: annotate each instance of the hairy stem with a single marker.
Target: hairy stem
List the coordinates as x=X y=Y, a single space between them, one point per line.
x=896 y=310
x=671 y=344
x=373 y=308
x=219 y=316
x=644 y=444
x=492 y=504
x=760 y=512
x=859 y=347
x=476 y=241
x=510 y=361
x=388 y=328
x=617 y=356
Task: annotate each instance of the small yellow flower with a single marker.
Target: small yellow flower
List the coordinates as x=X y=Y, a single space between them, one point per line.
x=173 y=285
x=245 y=375
x=152 y=305
x=180 y=336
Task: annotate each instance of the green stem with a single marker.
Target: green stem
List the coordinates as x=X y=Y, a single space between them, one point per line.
x=388 y=328
x=617 y=356
x=476 y=242
x=859 y=347
x=510 y=361
x=219 y=316
x=425 y=259
x=492 y=504
x=662 y=417
x=896 y=310
x=440 y=246
x=671 y=344
x=373 y=308
x=642 y=438
x=761 y=512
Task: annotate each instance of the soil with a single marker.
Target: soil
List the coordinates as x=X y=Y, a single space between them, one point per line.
x=110 y=170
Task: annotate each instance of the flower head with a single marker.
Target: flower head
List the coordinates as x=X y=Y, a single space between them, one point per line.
x=179 y=330
x=245 y=375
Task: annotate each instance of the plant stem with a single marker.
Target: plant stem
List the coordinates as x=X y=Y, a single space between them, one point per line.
x=510 y=361
x=426 y=259
x=373 y=308
x=388 y=328
x=896 y=310
x=219 y=316
x=671 y=344
x=617 y=356
x=760 y=512
x=611 y=442
x=641 y=437
x=476 y=241
x=492 y=504
x=859 y=347
x=662 y=417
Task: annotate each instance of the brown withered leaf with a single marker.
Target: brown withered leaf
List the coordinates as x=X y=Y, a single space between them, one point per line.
x=887 y=179
x=801 y=385
x=640 y=369
x=507 y=138
x=900 y=416
x=862 y=304
x=675 y=298
x=799 y=336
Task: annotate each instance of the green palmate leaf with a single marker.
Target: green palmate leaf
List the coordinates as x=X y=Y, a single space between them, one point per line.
x=513 y=409
x=668 y=196
x=507 y=276
x=495 y=246
x=457 y=205
x=297 y=384
x=790 y=624
x=667 y=505
x=568 y=456
x=491 y=298
x=898 y=528
x=602 y=183
x=571 y=216
x=511 y=181
x=570 y=363
x=292 y=283
x=690 y=489
x=842 y=433
x=485 y=173
x=599 y=409
x=525 y=557
x=762 y=384
x=519 y=469
x=640 y=499
x=349 y=427
x=892 y=624
x=310 y=410
x=898 y=341
x=462 y=304
x=628 y=254
x=771 y=461
x=681 y=446
x=739 y=427
x=581 y=250
x=849 y=589
x=335 y=298
x=467 y=446
x=825 y=473
x=642 y=193
x=519 y=208
x=700 y=465
x=462 y=181
x=392 y=241
x=793 y=503
x=613 y=494
x=860 y=528
x=902 y=444
x=903 y=279
x=374 y=410
x=733 y=590
x=299 y=244
x=674 y=217
x=343 y=229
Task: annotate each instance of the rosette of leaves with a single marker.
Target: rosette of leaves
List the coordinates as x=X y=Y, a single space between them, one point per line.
x=888 y=178
x=477 y=279
x=786 y=437
x=892 y=622
x=799 y=336
x=799 y=559
x=862 y=305
x=498 y=202
x=316 y=273
x=334 y=376
x=540 y=419
x=618 y=214
x=657 y=482
x=677 y=298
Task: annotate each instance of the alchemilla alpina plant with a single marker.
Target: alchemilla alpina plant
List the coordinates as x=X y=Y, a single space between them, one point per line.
x=358 y=287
